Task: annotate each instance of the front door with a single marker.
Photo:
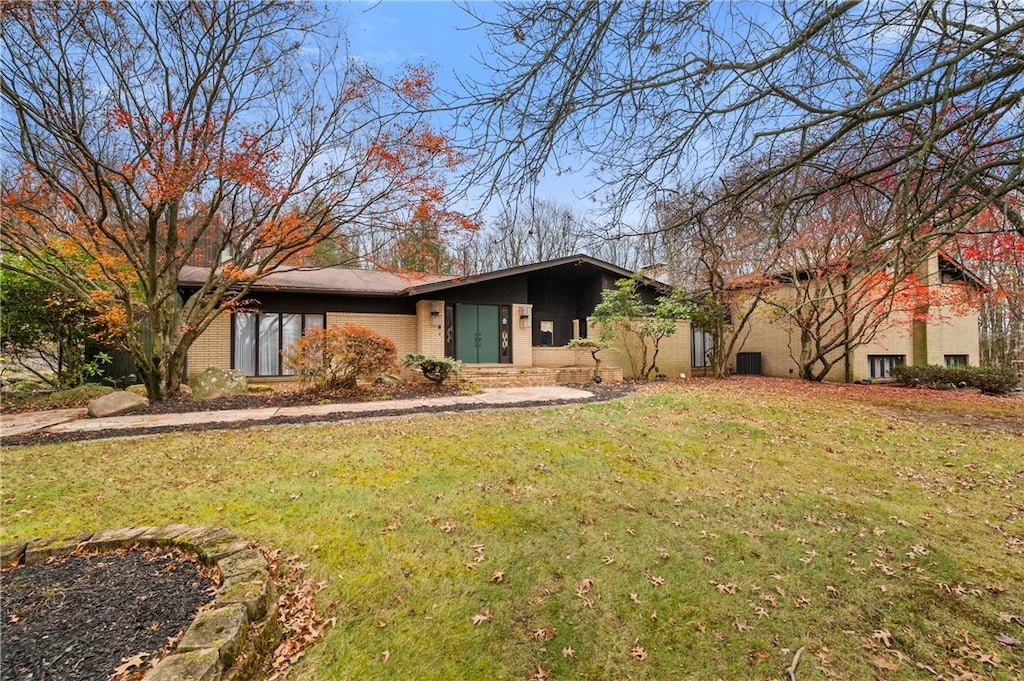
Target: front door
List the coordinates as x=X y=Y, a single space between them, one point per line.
x=477 y=334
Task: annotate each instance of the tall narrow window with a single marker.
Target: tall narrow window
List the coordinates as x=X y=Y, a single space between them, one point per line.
x=701 y=347
x=245 y=343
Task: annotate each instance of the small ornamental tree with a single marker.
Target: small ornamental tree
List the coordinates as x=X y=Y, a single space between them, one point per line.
x=639 y=327
x=435 y=369
x=593 y=346
x=336 y=357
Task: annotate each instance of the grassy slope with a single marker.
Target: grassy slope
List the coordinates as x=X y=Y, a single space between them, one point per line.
x=721 y=527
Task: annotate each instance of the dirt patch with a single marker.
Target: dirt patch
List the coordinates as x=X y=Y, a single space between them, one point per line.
x=82 y=616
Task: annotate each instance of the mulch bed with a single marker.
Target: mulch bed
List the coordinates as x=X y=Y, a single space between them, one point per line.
x=83 y=616
x=601 y=393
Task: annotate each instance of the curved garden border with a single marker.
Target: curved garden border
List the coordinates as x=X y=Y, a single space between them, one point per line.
x=226 y=641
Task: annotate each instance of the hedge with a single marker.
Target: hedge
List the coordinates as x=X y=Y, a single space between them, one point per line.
x=989 y=380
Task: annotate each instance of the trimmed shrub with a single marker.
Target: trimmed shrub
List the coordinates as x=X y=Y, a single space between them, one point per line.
x=989 y=380
x=435 y=369
x=336 y=357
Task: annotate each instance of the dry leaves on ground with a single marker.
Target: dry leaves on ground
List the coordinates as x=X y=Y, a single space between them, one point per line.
x=297 y=612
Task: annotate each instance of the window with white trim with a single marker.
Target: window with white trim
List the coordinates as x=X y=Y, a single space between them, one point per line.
x=259 y=338
x=881 y=366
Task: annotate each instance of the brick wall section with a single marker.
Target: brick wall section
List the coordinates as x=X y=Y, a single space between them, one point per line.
x=948 y=332
x=522 y=339
x=429 y=329
x=953 y=332
x=673 y=353
x=212 y=348
x=400 y=328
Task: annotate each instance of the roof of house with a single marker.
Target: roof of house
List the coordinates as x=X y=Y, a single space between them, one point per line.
x=325 y=280
x=380 y=283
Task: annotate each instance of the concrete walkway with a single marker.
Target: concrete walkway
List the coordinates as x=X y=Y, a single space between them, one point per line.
x=74 y=420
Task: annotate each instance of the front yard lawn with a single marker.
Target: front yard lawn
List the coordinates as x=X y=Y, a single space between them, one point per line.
x=701 y=530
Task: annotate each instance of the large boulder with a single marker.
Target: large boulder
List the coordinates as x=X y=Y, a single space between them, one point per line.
x=116 y=403
x=216 y=382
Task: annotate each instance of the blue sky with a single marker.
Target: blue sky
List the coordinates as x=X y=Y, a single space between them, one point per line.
x=390 y=33
x=438 y=33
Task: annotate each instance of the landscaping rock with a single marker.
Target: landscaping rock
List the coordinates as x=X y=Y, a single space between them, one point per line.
x=116 y=403
x=222 y=629
x=247 y=562
x=254 y=592
x=216 y=382
x=39 y=550
x=11 y=554
x=195 y=665
x=111 y=540
x=137 y=389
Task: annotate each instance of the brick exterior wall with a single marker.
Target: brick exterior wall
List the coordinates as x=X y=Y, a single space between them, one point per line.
x=673 y=353
x=522 y=339
x=211 y=349
x=946 y=331
x=429 y=339
x=400 y=328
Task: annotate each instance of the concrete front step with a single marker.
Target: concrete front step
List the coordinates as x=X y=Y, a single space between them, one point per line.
x=497 y=376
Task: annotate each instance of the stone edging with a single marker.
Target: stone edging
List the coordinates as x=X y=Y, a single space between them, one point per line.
x=227 y=640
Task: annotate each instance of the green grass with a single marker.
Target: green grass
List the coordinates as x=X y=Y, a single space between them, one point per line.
x=721 y=526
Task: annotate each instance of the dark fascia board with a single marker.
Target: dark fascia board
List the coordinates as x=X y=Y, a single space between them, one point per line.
x=456 y=282
x=967 y=274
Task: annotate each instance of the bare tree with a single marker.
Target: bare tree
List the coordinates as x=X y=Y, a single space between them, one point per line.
x=142 y=137
x=728 y=248
x=922 y=99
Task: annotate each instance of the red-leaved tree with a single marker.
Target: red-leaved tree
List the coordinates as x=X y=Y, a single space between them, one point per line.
x=143 y=137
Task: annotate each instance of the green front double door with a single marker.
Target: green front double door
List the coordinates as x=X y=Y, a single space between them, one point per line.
x=478 y=333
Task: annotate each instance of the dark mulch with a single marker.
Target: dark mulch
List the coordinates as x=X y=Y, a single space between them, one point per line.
x=81 y=616
x=601 y=393
x=290 y=397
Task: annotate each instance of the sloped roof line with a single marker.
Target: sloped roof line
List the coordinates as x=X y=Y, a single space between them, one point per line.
x=578 y=259
x=383 y=283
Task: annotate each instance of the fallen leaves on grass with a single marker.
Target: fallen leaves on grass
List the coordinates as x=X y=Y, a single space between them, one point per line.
x=544 y=633
x=540 y=674
x=1007 y=640
x=637 y=651
x=297 y=613
x=480 y=619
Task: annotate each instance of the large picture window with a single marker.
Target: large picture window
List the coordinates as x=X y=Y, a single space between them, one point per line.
x=259 y=339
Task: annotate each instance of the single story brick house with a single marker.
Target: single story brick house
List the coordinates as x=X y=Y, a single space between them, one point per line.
x=510 y=327
x=511 y=323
